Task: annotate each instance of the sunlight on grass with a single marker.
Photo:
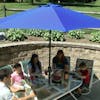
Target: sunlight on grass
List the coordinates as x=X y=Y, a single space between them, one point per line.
x=95 y=8
x=18 y=5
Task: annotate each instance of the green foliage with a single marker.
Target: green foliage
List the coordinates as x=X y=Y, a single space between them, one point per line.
x=95 y=37
x=15 y=35
x=69 y=1
x=37 y=33
x=42 y=0
x=89 y=31
x=55 y=35
x=18 y=35
x=77 y=34
x=3 y=30
x=34 y=32
x=86 y=1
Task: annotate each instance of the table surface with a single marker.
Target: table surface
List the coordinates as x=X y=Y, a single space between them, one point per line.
x=54 y=91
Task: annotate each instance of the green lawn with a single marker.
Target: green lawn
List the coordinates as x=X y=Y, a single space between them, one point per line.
x=15 y=6
x=96 y=8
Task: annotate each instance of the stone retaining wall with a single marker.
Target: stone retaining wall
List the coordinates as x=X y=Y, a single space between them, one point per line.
x=14 y=52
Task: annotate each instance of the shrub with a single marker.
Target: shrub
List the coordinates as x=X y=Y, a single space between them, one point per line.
x=95 y=37
x=77 y=34
x=15 y=35
x=20 y=35
x=42 y=0
x=68 y=0
x=37 y=33
x=55 y=36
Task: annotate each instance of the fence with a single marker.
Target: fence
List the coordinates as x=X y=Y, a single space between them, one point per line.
x=5 y=10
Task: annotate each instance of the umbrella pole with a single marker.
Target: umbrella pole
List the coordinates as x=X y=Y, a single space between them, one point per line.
x=49 y=67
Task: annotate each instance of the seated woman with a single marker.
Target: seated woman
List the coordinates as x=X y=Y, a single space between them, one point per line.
x=34 y=67
x=60 y=63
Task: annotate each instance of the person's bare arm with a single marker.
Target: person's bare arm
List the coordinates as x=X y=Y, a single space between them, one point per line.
x=30 y=71
x=32 y=95
x=53 y=66
x=66 y=69
x=14 y=89
x=83 y=77
x=12 y=82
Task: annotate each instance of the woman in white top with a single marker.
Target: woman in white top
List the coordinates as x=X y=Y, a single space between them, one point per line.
x=34 y=67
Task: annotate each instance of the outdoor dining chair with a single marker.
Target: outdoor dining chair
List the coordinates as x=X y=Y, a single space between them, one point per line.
x=24 y=65
x=89 y=64
x=8 y=67
x=56 y=81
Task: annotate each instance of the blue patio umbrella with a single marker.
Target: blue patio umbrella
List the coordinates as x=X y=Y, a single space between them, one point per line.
x=50 y=17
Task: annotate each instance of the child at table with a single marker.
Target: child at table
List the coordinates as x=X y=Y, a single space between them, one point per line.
x=83 y=71
x=7 y=91
x=17 y=77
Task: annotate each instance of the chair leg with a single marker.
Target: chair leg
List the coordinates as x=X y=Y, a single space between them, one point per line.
x=87 y=92
x=73 y=96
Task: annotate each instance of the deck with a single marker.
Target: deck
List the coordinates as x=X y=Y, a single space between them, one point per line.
x=94 y=94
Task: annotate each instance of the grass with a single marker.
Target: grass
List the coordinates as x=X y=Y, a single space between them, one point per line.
x=94 y=8
x=18 y=5
x=85 y=8
x=15 y=6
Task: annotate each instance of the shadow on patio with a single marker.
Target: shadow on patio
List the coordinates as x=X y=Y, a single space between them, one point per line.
x=94 y=94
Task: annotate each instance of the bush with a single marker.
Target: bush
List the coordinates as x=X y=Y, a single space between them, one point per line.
x=20 y=35
x=42 y=0
x=55 y=36
x=85 y=1
x=95 y=37
x=68 y=1
x=37 y=33
x=15 y=35
x=77 y=34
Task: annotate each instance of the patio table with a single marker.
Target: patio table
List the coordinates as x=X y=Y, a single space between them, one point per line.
x=54 y=91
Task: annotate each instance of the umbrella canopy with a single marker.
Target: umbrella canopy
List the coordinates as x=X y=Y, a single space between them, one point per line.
x=50 y=17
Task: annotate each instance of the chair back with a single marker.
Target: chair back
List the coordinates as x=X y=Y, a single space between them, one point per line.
x=24 y=65
x=59 y=79
x=68 y=59
x=7 y=67
x=89 y=64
